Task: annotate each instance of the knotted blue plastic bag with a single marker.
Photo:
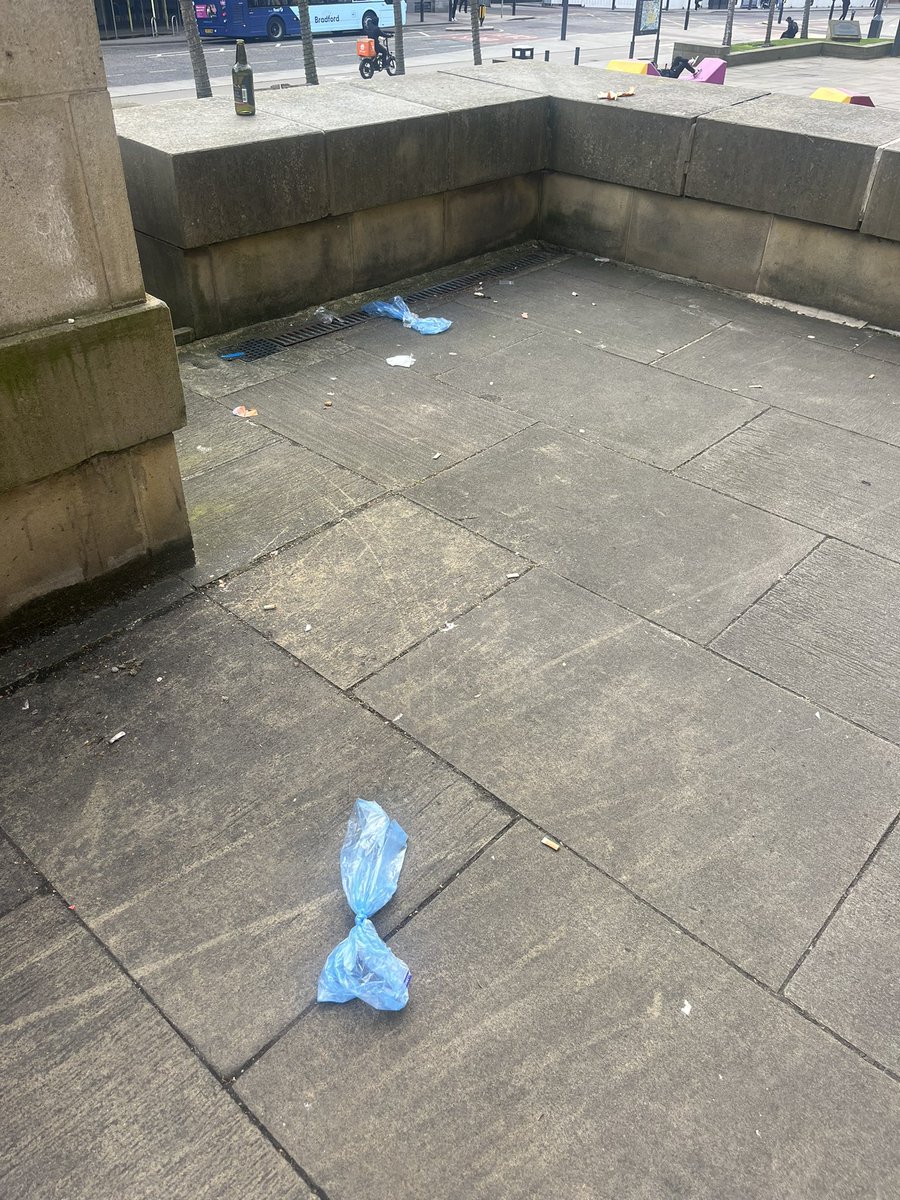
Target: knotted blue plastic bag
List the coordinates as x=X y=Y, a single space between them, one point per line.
x=400 y=311
x=362 y=966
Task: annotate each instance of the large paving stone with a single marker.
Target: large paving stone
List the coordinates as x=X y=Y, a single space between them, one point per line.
x=723 y=307
x=384 y=422
x=818 y=164
x=17 y=880
x=471 y=337
x=102 y=1097
x=205 y=374
x=353 y=597
x=213 y=436
x=829 y=631
x=831 y=480
x=637 y=327
x=849 y=981
x=885 y=346
x=27 y=656
x=256 y=503
x=686 y=557
x=722 y=800
x=814 y=380
x=643 y=412
x=203 y=846
x=544 y=1053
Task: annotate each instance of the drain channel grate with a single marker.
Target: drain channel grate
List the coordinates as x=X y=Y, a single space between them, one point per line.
x=262 y=347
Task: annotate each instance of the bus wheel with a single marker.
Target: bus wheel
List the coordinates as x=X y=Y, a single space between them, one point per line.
x=366 y=68
x=369 y=22
x=275 y=29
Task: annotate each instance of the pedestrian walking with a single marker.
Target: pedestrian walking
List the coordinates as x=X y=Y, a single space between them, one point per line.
x=453 y=10
x=463 y=6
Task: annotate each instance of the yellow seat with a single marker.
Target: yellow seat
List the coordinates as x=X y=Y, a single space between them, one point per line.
x=629 y=65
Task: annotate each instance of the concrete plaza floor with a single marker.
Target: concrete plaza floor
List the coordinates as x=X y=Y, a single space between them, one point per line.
x=624 y=571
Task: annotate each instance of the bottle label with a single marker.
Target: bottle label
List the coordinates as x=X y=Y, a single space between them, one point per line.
x=244 y=95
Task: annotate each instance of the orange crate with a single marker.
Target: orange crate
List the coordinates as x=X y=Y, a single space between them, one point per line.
x=365 y=48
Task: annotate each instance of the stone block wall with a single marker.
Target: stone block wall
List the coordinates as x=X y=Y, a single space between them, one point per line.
x=345 y=187
x=89 y=386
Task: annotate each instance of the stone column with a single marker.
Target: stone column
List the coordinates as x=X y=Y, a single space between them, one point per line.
x=90 y=490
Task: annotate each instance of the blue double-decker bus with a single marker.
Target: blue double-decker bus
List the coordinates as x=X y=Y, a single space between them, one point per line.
x=254 y=19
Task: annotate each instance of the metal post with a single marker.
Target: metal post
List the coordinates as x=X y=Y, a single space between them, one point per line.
x=514 y=7
x=687 y=13
x=658 y=32
x=780 y=11
x=565 y=20
x=578 y=53
x=831 y=10
x=546 y=56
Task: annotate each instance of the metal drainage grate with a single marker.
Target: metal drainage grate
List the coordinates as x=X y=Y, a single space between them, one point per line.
x=256 y=348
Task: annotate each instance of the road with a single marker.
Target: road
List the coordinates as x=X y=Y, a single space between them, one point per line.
x=147 y=68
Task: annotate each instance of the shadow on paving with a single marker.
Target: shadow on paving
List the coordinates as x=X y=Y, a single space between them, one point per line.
x=621 y=570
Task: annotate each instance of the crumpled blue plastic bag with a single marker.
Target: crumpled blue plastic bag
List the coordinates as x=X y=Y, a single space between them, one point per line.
x=400 y=311
x=361 y=966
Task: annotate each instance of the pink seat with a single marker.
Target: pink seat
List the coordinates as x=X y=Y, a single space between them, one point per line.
x=710 y=70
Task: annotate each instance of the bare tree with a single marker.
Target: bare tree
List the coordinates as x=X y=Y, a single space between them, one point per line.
x=195 y=49
x=309 y=54
x=398 y=38
x=804 y=27
x=729 y=24
x=474 y=6
x=768 y=40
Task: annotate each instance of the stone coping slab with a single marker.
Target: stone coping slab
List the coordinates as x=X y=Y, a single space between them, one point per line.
x=792 y=157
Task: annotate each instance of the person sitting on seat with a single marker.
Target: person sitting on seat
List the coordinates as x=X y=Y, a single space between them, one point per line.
x=792 y=29
x=377 y=34
x=679 y=65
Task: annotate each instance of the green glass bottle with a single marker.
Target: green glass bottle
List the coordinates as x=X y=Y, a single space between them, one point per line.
x=242 y=81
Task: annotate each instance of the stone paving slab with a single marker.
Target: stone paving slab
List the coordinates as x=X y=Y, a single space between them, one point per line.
x=721 y=307
x=829 y=631
x=203 y=846
x=205 y=374
x=51 y=647
x=545 y=1053
x=612 y=318
x=355 y=596
x=683 y=555
x=254 y=504
x=471 y=337
x=720 y=798
x=850 y=979
x=109 y=1102
x=17 y=880
x=213 y=436
x=813 y=380
x=624 y=405
x=837 y=482
x=384 y=422
x=885 y=346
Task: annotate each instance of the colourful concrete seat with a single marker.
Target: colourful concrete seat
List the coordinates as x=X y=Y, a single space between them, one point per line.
x=632 y=66
x=840 y=97
x=708 y=70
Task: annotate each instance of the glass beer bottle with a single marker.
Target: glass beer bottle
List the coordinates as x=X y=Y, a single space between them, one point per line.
x=242 y=81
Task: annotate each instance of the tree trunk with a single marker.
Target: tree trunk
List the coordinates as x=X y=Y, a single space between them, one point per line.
x=398 y=38
x=309 y=54
x=476 y=32
x=772 y=6
x=195 y=49
x=804 y=28
x=729 y=24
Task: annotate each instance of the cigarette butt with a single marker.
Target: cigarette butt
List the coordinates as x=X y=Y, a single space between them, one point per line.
x=545 y=841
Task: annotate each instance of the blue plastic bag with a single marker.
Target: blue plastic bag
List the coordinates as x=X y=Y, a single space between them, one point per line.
x=362 y=966
x=400 y=311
